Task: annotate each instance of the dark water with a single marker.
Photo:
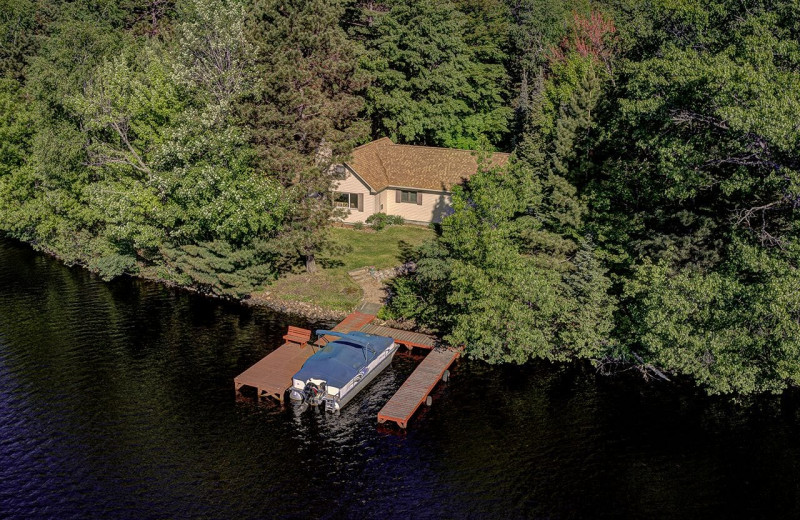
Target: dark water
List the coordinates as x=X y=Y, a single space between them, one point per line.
x=116 y=401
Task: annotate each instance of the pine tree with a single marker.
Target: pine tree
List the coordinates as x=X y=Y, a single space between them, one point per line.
x=220 y=268
x=575 y=121
x=18 y=29
x=303 y=111
x=430 y=85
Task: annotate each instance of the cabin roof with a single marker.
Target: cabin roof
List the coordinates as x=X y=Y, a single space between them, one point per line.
x=383 y=164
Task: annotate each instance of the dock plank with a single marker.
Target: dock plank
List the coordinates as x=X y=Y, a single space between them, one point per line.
x=404 y=337
x=272 y=376
x=410 y=396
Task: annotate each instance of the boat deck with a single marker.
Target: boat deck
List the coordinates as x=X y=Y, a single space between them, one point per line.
x=273 y=375
x=404 y=337
x=415 y=391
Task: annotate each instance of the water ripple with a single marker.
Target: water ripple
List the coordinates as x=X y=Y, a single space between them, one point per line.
x=116 y=401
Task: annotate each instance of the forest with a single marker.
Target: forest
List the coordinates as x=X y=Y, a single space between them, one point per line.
x=649 y=217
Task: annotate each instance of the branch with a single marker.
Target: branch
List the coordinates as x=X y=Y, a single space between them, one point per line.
x=124 y=136
x=687 y=116
x=651 y=368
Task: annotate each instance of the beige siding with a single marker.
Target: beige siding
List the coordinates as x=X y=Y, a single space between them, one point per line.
x=380 y=202
x=352 y=184
x=435 y=205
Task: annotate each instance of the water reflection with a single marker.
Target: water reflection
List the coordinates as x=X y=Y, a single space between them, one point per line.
x=116 y=400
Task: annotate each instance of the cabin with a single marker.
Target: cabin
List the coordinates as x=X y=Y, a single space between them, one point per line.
x=411 y=181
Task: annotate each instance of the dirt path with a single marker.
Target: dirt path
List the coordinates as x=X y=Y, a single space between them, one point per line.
x=373 y=288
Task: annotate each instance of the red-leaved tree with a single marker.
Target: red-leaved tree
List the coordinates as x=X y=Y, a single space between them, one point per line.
x=594 y=36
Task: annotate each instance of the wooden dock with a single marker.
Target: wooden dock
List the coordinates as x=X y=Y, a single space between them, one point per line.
x=404 y=337
x=272 y=376
x=354 y=321
x=417 y=387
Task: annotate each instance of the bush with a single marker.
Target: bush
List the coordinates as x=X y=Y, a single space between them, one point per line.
x=112 y=265
x=221 y=268
x=381 y=220
x=403 y=300
x=358 y=225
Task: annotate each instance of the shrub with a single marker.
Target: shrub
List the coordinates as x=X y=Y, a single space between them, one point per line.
x=403 y=300
x=112 y=265
x=358 y=225
x=381 y=220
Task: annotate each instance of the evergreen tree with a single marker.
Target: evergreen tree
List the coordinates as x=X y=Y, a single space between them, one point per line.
x=303 y=111
x=535 y=27
x=219 y=267
x=18 y=30
x=430 y=86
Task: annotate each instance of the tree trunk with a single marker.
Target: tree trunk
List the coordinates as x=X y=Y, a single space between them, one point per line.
x=311 y=263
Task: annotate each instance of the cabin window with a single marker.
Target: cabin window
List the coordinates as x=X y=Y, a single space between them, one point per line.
x=409 y=196
x=345 y=200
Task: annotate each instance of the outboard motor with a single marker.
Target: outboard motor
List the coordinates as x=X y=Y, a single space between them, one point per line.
x=314 y=394
x=297 y=395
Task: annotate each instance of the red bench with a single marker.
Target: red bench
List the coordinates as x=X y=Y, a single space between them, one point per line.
x=298 y=335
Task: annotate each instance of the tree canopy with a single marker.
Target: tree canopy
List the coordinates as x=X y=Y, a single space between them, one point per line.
x=664 y=135
x=649 y=214
x=438 y=76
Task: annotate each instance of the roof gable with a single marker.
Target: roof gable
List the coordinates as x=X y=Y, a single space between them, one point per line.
x=382 y=164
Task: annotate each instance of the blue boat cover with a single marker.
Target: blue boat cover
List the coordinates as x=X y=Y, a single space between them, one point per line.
x=340 y=360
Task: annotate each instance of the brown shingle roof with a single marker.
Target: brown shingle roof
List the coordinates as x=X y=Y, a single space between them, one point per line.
x=382 y=164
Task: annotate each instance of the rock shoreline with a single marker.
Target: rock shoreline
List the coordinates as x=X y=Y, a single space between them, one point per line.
x=304 y=310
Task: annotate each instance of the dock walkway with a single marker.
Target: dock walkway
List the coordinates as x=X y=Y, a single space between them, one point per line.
x=404 y=337
x=417 y=387
x=354 y=321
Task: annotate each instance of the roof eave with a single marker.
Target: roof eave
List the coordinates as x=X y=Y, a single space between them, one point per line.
x=359 y=177
x=415 y=188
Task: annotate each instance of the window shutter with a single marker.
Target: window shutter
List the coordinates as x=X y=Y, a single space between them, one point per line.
x=397 y=195
x=360 y=202
x=419 y=198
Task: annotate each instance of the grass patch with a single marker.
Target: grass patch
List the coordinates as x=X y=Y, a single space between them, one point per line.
x=331 y=287
x=326 y=288
x=380 y=249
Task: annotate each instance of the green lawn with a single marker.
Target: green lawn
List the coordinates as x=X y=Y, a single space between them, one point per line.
x=380 y=249
x=331 y=287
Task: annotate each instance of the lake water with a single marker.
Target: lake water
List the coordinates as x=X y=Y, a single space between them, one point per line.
x=117 y=401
